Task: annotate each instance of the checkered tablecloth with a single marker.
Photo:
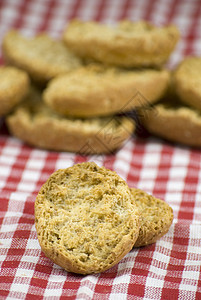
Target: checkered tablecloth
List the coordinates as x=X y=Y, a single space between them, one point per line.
x=169 y=269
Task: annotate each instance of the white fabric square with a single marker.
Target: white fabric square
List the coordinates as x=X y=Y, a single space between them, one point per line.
x=26 y=186
x=30 y=175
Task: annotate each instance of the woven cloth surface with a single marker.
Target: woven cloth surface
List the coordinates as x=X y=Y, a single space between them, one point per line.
x=169 y=269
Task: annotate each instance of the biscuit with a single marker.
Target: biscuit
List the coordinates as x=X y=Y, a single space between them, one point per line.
x=85 y=219
x=36 y=124
x=14 y=85
x=96 y=91
x=187 y=78
x=126 y=45
x=41 y=56
x=174 y=121
x=156 y=217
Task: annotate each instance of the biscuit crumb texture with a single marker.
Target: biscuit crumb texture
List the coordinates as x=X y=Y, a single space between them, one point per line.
x=41 y=56
x=126 y=45
x=14 y=85
x=156 y=217
x=85 y=218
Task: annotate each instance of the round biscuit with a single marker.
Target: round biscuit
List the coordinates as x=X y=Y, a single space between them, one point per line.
x=85 y=219
x=128 y=44
x=40 y=56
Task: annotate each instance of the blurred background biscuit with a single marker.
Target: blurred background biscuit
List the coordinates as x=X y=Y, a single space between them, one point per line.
x=97 y=91
x=128 y=44
x=187 y=81
x=14 y=85
x=173 y=120
x=36 y=124
x=41 y=56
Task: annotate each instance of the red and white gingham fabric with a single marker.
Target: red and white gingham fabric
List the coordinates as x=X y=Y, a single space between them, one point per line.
x=169 y=269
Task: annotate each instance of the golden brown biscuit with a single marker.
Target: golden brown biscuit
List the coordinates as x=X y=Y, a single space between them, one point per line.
x=35 y=123
x=126 y=45
x=156 y=217
x=41 y=56
x=85 y=219
x=14 y=85
x=187 y=79
x=174 y=121
x=98 y=91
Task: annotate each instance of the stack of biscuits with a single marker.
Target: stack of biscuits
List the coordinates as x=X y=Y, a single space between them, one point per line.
x=75 y=93
x=87 y=218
